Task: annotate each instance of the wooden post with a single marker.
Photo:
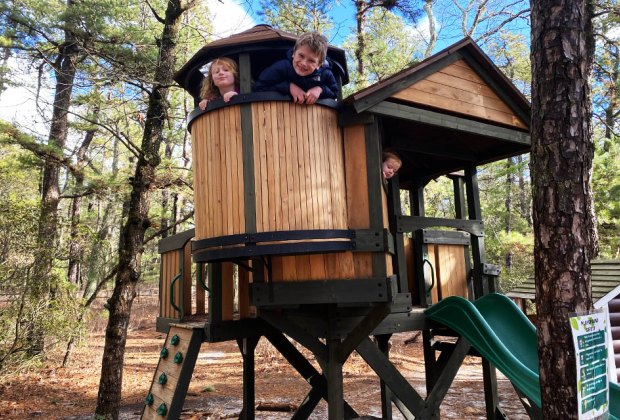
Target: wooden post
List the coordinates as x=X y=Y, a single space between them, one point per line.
x=383 y=341
x=477 y=246
x=247 y=346
x=335 y=392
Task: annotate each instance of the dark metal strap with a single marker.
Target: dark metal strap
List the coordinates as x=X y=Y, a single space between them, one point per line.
x=249 y=251
x=289 y=235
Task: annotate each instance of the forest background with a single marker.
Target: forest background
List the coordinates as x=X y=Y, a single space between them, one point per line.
x=96 y=168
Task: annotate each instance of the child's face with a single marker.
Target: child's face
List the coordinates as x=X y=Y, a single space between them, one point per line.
x=223 y=77
x=305 y=61
x=390 y=167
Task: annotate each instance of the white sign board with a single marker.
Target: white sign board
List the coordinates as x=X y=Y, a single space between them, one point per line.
x=591 y=347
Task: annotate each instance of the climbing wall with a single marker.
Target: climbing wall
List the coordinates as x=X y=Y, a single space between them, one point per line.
x=174 y=371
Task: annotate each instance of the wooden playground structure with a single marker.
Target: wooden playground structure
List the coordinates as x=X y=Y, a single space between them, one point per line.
x=297 y=236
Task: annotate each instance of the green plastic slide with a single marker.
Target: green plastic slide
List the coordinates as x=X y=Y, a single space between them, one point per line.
x=503 y=335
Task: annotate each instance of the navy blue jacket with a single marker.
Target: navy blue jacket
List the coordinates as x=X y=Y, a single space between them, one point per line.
x=279 y=76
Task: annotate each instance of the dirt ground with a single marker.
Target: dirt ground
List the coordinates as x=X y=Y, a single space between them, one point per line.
x=53 y=392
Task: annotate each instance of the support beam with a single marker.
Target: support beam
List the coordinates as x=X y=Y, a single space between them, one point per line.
x=410 y=113
x=382 y=366
x=297 y=333
x=383 y=342
x=247 y=347
x=482 y=286
x=335 y=390
x=363 y=330
x=309 y=373
x=449 y=365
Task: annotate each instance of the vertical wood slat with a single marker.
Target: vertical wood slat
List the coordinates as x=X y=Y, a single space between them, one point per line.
x=300 y=182
x=170 y=268
x=302 y=189
x=227 y=292
x=186 y=286
x=357 y=192
x=453 y=277
x=200 y=292
x=218 y=173
x=244 y=294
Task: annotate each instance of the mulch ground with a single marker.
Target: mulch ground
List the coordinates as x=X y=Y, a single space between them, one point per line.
x=53 y=392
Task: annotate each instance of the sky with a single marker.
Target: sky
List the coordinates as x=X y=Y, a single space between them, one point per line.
x=18 y=104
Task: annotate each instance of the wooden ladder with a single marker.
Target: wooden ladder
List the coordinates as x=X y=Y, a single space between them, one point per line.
x=174 y=372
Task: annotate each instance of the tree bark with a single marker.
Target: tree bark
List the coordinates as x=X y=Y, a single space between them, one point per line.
x=564 y=225
x=40 y=283
x=75 y=245
x=524 y=199
x=132 y=234
x=360 y=20
x=508 y=204
x=432 y=28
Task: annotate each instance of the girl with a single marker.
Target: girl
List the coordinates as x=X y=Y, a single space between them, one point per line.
x=391 y=164
x=222 y=81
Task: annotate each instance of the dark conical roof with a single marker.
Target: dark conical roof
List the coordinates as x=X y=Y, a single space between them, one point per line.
x=257 y=41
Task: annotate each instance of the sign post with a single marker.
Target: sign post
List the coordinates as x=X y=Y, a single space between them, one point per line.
x=591 y=347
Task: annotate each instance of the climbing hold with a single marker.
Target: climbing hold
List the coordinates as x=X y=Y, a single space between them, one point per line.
x=149 y=400
x=175 y=340
x=178 y=358
x=163 y=353
x=163 y=378
x=162 y=409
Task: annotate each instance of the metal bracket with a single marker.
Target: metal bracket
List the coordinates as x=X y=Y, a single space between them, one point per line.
x=490 y=269
x=371 y=240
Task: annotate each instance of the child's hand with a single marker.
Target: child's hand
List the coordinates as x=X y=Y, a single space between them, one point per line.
x=299 y=96
x=203 y=104
x=313 y=94
x=228 y=95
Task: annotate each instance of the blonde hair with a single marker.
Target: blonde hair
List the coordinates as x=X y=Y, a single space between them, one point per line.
x=387 y=154
x=316 y=42
x=208 y=90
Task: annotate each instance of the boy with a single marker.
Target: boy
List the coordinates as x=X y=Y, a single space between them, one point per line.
x=304 y=74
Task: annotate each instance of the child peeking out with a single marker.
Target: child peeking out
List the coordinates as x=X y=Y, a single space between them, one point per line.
x=222 y=81
x=304 y=74
x=391 y=164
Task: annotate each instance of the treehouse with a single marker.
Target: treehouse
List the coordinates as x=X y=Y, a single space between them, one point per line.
x=297 y=234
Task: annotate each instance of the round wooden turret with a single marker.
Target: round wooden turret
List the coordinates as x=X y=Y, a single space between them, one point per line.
x=268 y=172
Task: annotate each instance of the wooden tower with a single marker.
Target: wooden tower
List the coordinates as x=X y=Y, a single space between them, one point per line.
x=291 y=207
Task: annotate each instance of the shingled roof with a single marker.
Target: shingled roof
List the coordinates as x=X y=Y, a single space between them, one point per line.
x=261 y=39
x=465 y=48
x=451 y=111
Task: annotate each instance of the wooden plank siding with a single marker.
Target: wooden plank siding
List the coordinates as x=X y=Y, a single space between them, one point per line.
x=299 y=167
x=358 y=208
x=170 y=268
x=299 y=183
x=450 y=268
x=458 y=88
x=357 y=192
x=218 y=173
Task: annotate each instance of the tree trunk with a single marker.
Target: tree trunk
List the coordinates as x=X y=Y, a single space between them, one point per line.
x=166 y=218
x=564 y=225
x=432 y=28
x=132 y=234
x=41 y=281
x=524 y=199
x=360 y=20
x=75 y=245
x=611 y=111
x=508 y=204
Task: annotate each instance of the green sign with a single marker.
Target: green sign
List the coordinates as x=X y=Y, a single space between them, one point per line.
x=591 y=346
